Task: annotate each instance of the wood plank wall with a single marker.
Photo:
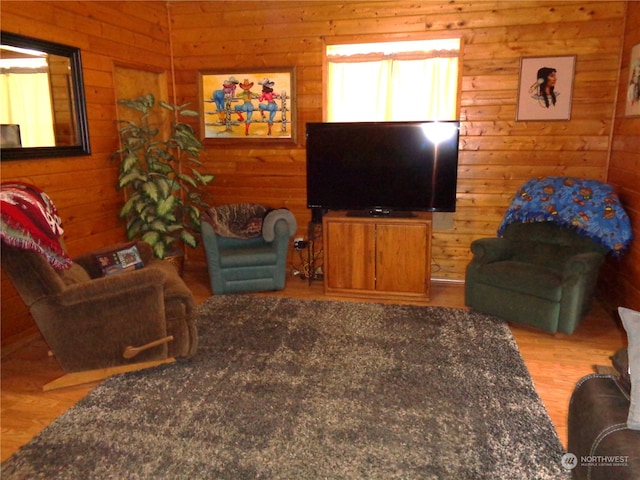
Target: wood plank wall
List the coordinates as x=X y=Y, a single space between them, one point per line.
x=498 y=154
x=621 y=279
x=83 y=188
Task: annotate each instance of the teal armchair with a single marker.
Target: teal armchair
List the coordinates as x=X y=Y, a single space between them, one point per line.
x=538 y=274
x=258 y=263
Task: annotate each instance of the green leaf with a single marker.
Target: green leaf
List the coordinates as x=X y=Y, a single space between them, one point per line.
x=193 y=214
x=166 y=105
x=189 y=113
x=166 y=205
x=133 y=230
x=189 y=239
x=151 y=237
x=193 y=159
x=143 y=208
x=188 y=179
x=150 y=189
x=158 y=226
x=164 y=186
x=126 y=209
x=205 y=178
x=171 y=218
x=159 y=250
x=129 y=178
x=129 y=162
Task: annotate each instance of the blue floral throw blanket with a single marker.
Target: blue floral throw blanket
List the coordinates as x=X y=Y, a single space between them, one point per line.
x=588 y=206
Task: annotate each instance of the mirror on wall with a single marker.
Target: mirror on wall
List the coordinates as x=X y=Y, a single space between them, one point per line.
x=42 y=103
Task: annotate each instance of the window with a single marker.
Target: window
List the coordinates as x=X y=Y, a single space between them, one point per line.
x=393 y=81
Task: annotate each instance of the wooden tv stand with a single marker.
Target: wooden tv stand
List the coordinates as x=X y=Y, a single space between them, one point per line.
x=377 y=257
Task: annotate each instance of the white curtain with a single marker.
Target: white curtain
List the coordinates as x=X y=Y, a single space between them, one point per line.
x=392 y=89
x=25 y=100
x=424 y=89
x=354 y=91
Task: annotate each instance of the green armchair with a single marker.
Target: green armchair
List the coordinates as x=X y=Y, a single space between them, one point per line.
x=246 y=247
x=538 y=274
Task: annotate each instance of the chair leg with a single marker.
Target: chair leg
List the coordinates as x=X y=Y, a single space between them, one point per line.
x=90 y=376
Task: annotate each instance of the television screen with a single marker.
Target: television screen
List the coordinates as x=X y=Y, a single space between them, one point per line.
x=383 y=167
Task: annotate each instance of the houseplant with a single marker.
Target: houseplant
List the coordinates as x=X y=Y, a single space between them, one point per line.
x=159 y=173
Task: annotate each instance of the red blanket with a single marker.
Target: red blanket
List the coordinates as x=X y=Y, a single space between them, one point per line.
x=29 y=220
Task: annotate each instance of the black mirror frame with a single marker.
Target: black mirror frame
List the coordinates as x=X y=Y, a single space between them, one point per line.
x=83 y=147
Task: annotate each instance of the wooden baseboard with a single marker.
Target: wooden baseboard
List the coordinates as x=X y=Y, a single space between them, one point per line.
x=90 y=376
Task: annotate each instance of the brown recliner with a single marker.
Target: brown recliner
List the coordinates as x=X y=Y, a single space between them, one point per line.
x=105 y=324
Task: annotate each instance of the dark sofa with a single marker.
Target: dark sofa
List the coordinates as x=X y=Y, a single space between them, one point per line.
x=604 y=446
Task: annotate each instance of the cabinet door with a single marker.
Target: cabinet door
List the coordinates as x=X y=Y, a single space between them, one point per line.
x=402 y=257
x=350 y=255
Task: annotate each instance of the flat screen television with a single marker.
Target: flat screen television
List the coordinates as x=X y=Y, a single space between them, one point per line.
x=382 y=168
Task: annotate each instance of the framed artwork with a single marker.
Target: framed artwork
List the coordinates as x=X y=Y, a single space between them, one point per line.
x=632 y=102
x=248 y=105
x=545 y=88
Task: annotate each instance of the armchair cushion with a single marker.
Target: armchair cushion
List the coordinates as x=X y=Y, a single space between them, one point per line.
x=539 y=281
x=241 y=220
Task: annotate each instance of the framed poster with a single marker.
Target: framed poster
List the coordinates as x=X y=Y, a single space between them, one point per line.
x=632 y=102
x=545 y=88
x=248 y=105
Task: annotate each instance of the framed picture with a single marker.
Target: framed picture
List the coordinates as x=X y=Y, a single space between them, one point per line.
x=545 y=88
x=248 y=105
x=632 y=102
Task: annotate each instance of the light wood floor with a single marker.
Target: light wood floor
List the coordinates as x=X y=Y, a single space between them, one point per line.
x=555 y=363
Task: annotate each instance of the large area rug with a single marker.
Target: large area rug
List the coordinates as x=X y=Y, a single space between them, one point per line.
x=292 y=389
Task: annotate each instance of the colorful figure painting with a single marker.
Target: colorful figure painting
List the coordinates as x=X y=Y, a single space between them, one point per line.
x=248 y=104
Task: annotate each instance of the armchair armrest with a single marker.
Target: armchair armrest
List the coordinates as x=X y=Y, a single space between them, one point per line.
x=114 y=286
x=273 y=218
x=210 y=243
x=489 y=250
x=582 y=263
x=282 y=236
